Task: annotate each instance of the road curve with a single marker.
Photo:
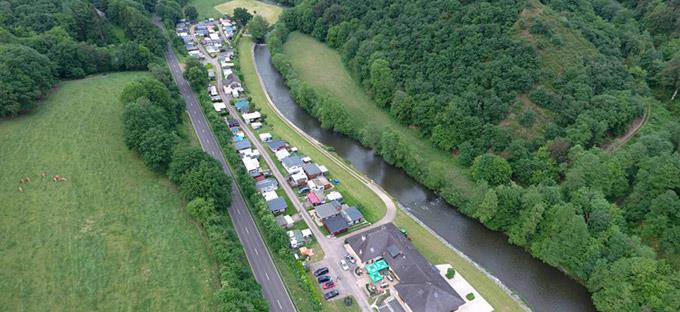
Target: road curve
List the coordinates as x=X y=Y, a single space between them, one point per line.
x=256 y=251
x=391 y=208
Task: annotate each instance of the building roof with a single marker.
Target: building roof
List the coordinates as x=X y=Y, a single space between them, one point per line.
x=250 y=163
x=298 y=176
x=313 y=198
x=292 y=161
x=284 y=220
x=269 y=195
x=321 y=181
x=311 y=169
x=334 y=195
x=277 y=144
x=328 y=209
x=253 y=115
x=277 y=204
x=335 y=224
x=420 y=285
x=264 y=137
x=241 y=145
x=266 y=183
x=352 y=214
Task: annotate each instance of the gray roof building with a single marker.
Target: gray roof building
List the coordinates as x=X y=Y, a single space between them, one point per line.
x=420 y=285
x=352 y=215
x=277 y=205
x=266 y=185
x=241 y=145
x=311 y=170
x=276 y=145
x=292 y=161
x=328 y=210
x=336 y=224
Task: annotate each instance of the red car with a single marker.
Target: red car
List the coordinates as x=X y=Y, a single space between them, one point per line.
x=328 y=285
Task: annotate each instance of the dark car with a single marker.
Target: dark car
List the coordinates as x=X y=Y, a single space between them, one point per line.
x=331 y=294
x=320 y=271
x=323 y=279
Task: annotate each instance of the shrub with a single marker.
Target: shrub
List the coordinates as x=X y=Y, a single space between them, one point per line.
x=450 y=273
x=470 y=296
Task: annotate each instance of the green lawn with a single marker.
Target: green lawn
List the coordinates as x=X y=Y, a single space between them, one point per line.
x=270 y=12
x=206 y=8
x=351 y=188
x=321 y=67
x=114 y=236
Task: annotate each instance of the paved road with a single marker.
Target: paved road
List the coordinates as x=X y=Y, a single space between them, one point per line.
x=256 y=251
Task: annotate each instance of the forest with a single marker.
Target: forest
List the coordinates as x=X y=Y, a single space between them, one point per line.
x=529 y=95
x=43 y=41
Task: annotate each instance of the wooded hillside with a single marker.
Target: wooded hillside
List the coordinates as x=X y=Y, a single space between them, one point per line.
x=529 y=94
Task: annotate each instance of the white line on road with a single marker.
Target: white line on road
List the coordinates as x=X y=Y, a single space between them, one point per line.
x=238 y=211
x=247 y=230
x=279 y=302
x=267 y=275
x=256 y=252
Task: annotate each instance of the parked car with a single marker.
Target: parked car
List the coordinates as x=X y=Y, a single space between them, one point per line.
x=344 y=265
x=323 y=279
x=384 y=285
x=303 y=190
x=331 y=294
x=320 y=271
x=328 y=285
x=349 y=258
x=390 y=278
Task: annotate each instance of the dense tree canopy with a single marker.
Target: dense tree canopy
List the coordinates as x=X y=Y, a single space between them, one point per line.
x=25 y=76
x=258 y=27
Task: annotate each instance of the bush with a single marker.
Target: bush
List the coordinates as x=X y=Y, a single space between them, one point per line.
x=450 y=273
x=470 y=296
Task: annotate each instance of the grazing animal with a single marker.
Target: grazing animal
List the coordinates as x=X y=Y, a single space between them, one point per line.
x=24 y=180
x=43 y=174
x=58 y=179
x=20 y=190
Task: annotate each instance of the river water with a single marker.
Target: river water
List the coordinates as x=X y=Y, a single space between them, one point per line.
x=542 y=287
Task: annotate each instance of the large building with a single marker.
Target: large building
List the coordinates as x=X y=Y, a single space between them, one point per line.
x=420 y=287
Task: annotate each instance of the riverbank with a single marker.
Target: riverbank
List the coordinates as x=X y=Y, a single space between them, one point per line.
x=431 y=247
x=372 y=206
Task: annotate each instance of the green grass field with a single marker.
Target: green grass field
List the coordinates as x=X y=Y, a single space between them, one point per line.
x=206 y=8
x=114 y=237
x=270 y=12
x=321 y=67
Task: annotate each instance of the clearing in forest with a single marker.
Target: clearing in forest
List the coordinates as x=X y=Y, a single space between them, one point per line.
x=111 y=236
x=270 y=12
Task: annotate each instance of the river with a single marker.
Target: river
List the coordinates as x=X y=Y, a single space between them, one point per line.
x=542 y=287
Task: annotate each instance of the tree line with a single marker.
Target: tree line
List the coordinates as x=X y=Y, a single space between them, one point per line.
x=42 y=41
x=582 y=210
x=152 y=113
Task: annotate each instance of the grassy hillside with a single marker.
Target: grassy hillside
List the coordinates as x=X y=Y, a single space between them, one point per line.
x=206 y=8
x=112 y=237
x=270 y=12
x=321 y=67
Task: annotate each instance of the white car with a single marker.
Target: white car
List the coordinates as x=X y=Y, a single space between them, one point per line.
x=344 y=265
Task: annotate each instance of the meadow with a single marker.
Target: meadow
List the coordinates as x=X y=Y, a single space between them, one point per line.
x=113 y=236
x=270 y=12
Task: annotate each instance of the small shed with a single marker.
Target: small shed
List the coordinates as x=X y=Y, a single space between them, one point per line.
x=250 y=117
x=311 y=170
x=334 y=195
x=314 y=199
x=336 y=225
x=321 y=181
x=269 y=195
x=292 y=164
x=285 y=222
x=251 y=164
x=265 y=137
x=328 y=210
x=352 y=215
x=276 y=145
x=277 y=205
x=281 y=154
x=298 y=178
x=241 y=145
x=220 y=107
x=266 y=185
x=256 y=125
x=242 y=105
